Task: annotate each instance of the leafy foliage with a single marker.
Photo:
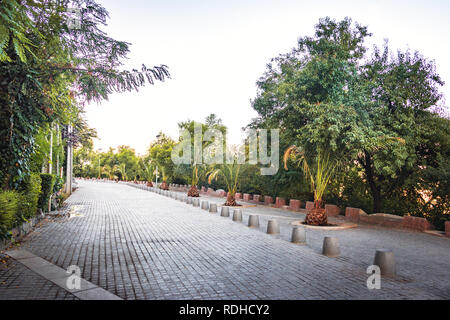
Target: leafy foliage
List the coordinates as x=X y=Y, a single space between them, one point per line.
x=8 y=208
x=48 y=71
x=47 y=185
x=376 y=115
x=30 y=191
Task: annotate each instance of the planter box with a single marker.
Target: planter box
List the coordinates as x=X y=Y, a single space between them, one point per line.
x=353 y=214
x=247 y=197
x=332 y=210
x=221 y=193
x=294 y=204
x=268 y=200
x=238 y=196
x=256 y=198
x=383 y=219
x=416 y=223
x=447 y=228
x=280 y=202
x=309 y=205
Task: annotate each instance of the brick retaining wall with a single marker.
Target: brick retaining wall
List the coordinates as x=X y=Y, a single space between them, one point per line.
x=416 y=223
x=332 y=210
x=294 y=204
x=280 y=202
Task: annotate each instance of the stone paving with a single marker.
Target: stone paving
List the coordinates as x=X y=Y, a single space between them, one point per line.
x=19 y=283
x=421 y=258
x=141 y=245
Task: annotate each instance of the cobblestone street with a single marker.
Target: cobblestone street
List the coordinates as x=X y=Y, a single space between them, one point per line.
x=140 y=245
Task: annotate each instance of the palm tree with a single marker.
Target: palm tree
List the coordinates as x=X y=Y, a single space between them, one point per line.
x=121 y=168
x=318 y=171
x=148 y=173
x=230 y=173
x=108 y=171
x=164 y=185
x=193 y=191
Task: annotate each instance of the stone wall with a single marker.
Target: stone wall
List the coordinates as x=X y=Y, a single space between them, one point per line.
x=382 y=219
x=280 y=202
x=353 y=214
x=416 y=223
x=332 y=210
x=356 y=215
x=294 y=204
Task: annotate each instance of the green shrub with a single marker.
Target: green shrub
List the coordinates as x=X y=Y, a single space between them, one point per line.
x=48 y=182
x=8 y=208
x=59 y=183
x=28 y=203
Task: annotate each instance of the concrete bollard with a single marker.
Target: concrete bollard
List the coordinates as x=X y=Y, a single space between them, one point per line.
x=189 y=200
x=331 y=247
x=225 y=212
x=273 y=227
x=196 y=202
x=253 y=221
x=213 y=208
x=205 y=205
x=237 y=215
x=298 y=235
x=384 y=258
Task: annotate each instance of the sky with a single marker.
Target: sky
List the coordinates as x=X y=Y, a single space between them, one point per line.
x=217 y=50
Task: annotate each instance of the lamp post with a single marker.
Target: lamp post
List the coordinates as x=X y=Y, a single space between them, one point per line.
x=157 y=174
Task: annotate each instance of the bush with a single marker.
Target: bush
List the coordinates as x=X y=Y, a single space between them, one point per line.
x=8 y=208
x=59 y=183
x=29 y=197
x=48 y=182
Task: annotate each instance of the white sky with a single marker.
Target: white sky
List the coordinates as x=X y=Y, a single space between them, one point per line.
x=217 y=50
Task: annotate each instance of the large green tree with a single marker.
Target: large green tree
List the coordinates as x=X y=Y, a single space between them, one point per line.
x=49 y=69
x=375 y=115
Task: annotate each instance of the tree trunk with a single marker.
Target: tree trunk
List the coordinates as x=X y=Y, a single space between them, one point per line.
x=164 y=186
x=374 y=189
x=231 y=201
x=317 y=216
x=193 y=192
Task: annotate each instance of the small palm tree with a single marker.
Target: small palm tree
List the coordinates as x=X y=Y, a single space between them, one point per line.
x=164 y=184
x=108 y=171
x=318 y=172
x=148 y=173
x=230 y=173
x=122 y=170
x=193 y=191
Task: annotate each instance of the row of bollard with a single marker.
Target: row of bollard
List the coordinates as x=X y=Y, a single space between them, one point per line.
x=384 y=258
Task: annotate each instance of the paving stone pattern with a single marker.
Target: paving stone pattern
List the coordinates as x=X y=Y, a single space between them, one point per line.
x=19 y=283
x=141 y=245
